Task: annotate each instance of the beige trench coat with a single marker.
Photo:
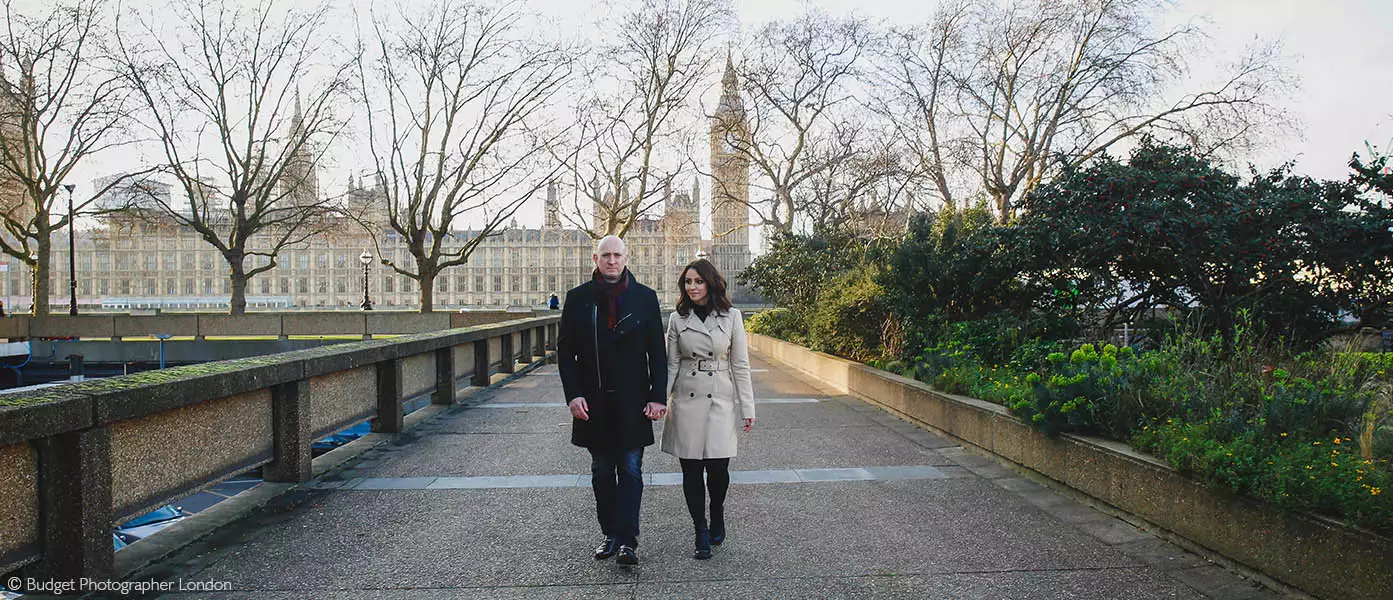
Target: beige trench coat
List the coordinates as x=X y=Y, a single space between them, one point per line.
x=708 y=384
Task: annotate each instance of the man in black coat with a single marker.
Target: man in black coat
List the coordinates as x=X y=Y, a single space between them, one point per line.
x=613 y=363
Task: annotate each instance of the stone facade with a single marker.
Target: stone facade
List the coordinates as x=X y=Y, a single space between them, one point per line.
x=129 y=263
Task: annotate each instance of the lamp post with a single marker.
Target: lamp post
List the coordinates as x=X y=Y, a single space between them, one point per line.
x=366 y=259
x=72 y=253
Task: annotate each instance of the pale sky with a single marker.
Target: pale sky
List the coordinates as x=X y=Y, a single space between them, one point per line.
x=1339 y=49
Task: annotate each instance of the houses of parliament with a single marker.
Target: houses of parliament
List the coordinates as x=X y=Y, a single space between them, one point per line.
x=130 y=263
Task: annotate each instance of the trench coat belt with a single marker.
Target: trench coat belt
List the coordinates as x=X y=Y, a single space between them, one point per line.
x=706 y=364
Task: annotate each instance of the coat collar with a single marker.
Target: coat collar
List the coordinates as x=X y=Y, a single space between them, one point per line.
x=720 y=321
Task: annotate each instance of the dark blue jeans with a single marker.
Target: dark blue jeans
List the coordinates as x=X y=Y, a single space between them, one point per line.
x=617 y=478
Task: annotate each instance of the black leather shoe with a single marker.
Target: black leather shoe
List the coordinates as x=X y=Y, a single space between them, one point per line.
x=606 y=548
x=718 y=530
x=627 y=556
x=703 y=545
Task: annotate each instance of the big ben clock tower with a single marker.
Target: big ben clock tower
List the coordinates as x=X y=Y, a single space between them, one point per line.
x=730 y=190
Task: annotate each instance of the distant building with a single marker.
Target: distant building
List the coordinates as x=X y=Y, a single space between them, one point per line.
x=139 y=262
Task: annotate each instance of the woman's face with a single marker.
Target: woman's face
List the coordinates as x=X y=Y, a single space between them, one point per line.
x=695 y=286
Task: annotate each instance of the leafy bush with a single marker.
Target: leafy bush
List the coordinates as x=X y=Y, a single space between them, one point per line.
x=849 y=316
x=1320 y=474
x=780 y=323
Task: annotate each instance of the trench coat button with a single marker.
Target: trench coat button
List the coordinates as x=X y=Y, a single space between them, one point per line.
x=712 y=374
x=708 y=395
x=693 y=373
x=693 y=394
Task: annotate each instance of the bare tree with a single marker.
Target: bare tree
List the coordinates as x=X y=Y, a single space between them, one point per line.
x=454 y=92
x=61 y=103
x=221 y=89
x=625 y=152
x=1037 y=86
x=914 y=72
x=799 y=78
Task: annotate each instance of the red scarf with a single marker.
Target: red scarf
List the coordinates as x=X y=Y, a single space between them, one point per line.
x=611 y=292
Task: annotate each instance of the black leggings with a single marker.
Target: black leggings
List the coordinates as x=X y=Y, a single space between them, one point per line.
x=717 y=482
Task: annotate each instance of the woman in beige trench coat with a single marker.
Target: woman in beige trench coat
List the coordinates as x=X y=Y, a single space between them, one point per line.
x=709 y=395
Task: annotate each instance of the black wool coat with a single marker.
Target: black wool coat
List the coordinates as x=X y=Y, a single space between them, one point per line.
x=635 y=365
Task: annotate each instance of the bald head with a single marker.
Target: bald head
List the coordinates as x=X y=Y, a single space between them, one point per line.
x=611 y=256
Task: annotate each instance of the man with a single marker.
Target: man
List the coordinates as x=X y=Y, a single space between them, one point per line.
x=613 y=363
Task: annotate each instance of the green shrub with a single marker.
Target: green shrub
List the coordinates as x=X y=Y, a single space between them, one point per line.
x=779 y=323
x=1107 y=392
x=849 y=316
x=1319 y=474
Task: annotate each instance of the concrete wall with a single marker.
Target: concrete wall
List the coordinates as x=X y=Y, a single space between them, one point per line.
x=418 y=375
x=341 y=398
x=166 y=454
x=253 y=324
x=19 y=495
x=76 y=459
x=1316 y=555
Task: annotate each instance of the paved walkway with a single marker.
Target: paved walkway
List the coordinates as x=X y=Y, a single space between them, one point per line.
x=831 y=498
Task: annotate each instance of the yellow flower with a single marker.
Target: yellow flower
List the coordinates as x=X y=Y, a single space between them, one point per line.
x=1334 y=464
x=1308 y=466
x=1284 y=434
x=1315 y=443
x=1375 y=491
x=1337 y=440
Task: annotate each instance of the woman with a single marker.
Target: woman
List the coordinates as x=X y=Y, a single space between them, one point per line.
x=710 y=395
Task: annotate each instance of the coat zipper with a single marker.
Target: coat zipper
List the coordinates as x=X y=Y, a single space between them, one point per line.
x=595 y=327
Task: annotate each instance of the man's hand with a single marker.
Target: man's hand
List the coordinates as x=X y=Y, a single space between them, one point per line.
x=748 y=424
x=654 y=411
x=579 y=409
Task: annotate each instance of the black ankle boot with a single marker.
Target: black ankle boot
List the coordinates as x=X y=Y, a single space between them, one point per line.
x=703 y=543
x=718 y=526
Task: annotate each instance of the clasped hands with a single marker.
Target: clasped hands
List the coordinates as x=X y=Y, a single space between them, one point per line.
x=581 y=410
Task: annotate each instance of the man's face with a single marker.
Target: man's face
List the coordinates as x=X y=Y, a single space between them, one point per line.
x=611 y=259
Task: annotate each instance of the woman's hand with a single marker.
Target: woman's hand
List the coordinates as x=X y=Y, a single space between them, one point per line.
x=748 y=424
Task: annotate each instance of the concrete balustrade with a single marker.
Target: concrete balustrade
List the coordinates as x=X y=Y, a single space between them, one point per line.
x=77 y=459
x=280 y=325
x=1314 y=554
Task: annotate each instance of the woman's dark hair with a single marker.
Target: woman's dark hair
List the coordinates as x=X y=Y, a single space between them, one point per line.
x=715 y=287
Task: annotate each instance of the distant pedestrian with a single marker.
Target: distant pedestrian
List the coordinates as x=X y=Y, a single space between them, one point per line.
x=709 y=394
x=554 y=303
x=2 y=309
x=613 y=368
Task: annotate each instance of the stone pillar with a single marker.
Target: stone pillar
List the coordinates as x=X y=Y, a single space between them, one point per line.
x=389 y=383
x=75 y=500
x=444 y=376
x=481 y=363
x=525 y=349
x=554 y=332
x=540 y=343
x=509 y=355
x=290 y=419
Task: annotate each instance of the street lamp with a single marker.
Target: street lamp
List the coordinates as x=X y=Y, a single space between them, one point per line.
x=72 y=253
x=366 y=259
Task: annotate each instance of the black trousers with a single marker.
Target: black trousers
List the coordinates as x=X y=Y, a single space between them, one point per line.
x=717 y=472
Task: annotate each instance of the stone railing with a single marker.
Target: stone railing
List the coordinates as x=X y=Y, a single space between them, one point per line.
x=278 y=325
x=77 y=459
x=1317 y=555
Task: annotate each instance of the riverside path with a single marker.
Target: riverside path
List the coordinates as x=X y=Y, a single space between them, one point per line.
x=831 y=498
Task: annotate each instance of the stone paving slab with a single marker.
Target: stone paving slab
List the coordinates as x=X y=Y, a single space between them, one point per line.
x=833 y=498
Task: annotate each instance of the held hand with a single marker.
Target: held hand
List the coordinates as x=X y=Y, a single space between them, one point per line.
x=748 y=424
x=654 y=411
x=579 y=409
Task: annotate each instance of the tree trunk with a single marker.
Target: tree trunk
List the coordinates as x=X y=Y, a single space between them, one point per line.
x=237 y=273
x=427 y=282
x=43 y=251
